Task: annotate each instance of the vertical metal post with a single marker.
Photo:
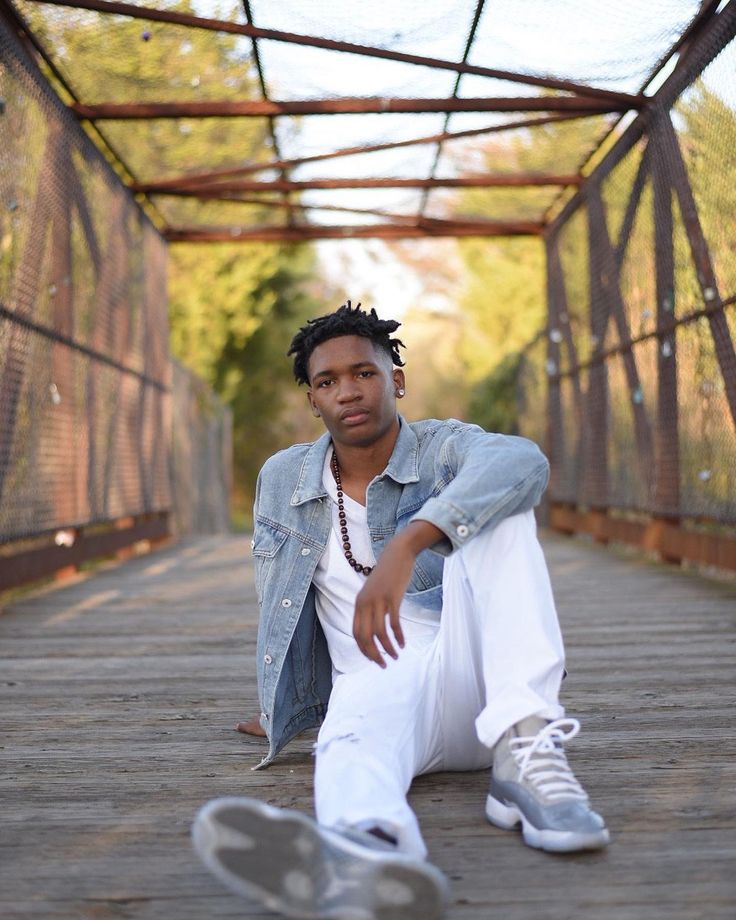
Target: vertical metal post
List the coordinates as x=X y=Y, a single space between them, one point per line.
x=70 y=488
x=666 y=494
x=555 y=432
x=559 y=327
x=610 y=291
x=595 y=460
x=701 y=257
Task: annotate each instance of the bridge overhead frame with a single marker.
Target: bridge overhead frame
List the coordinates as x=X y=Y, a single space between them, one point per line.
x=590 y=355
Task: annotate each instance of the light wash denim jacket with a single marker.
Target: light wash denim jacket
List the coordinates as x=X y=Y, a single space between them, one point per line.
x=455 y=475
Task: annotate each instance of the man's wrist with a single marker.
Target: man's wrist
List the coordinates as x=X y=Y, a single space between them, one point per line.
x=419 y=535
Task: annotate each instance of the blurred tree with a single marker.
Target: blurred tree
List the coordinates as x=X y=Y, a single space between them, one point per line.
x=503 y=300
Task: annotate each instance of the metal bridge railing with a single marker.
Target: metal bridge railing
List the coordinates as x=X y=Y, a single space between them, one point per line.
x=85 y=373
x=639 y=362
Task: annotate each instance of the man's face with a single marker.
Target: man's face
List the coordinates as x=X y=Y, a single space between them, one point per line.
x=353 y=389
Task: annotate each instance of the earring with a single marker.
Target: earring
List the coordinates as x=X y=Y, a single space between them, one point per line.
x=400 y=391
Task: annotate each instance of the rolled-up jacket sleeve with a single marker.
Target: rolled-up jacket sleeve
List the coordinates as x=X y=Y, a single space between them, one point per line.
x=482 y=479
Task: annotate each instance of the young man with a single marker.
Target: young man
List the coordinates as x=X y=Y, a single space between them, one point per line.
x=405 y=606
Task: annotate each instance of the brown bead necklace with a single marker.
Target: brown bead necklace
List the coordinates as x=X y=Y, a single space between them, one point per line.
x=363 y=569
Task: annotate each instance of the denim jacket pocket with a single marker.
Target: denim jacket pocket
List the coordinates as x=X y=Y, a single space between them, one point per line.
x=267 y=541
x=429 y=598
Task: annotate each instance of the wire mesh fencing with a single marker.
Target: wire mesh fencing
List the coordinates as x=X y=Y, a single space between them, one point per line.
x=639 y=365
x=85 y=373
x=201 y=456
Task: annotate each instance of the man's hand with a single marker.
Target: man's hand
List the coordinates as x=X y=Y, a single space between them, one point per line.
x=385 y=588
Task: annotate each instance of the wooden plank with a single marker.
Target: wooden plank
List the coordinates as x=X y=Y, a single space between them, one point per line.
x=119 y=694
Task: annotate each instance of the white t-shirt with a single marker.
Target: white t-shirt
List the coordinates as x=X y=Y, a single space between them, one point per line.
x=337 y=584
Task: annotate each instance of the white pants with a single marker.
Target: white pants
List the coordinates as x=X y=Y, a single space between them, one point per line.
x=496 y=658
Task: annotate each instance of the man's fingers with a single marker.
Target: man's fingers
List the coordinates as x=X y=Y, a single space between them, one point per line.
x=363 y=634
x=395 y=620
x=369 y=626
x=383 y=637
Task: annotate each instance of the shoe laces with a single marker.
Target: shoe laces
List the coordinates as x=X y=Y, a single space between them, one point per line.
x=542 y=762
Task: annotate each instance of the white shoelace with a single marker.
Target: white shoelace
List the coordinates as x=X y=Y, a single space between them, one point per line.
x=542 y=762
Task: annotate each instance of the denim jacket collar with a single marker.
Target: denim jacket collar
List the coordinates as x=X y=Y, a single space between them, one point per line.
x=403 y=465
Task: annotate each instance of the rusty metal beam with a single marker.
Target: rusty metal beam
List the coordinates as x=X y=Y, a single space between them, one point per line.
x=555 y=430
x=357 y=105
x=296 y=234
x=255 y=49
x=666 y=497
x=707 y=280
x=610 y=290
x=35 y=47
x=697 y=24
x=301 y=206
x=205 y=176
x=632 y=207
x=672 y=542
x=666 y=329
x=714 y=33
x=31 y=565
x=597 y=402
x=236 y=28
x=438 y=149
x=559 y=319
x=520 y=180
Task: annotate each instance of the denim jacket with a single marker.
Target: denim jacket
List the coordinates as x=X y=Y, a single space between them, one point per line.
x=455 y=475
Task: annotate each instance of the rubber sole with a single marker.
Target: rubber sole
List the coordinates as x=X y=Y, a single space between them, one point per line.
x=297 y=868
x=508 y=817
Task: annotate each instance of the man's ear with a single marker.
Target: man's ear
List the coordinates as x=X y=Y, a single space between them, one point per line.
x=312 y=406
x=399 y=383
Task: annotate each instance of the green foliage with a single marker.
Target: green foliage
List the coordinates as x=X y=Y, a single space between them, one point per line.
x=493 y=400
x=708 y=140
x=234 y=310
x=504 y=303
x=117 y=59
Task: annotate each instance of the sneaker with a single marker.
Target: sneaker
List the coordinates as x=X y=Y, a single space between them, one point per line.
x=532 y=783
x=297 y=868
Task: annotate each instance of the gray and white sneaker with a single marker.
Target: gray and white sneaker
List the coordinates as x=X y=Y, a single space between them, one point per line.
x=298 y=868
x=532 y=783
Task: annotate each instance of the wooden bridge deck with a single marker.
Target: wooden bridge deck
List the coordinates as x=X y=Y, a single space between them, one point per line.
x=119 y=694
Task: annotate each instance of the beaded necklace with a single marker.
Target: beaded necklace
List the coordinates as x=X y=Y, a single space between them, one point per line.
x=363 y=569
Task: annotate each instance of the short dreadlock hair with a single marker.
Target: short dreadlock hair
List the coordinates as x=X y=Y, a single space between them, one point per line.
x=347 y=320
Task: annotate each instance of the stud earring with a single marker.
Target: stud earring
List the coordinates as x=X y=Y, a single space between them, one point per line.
x=400 y=391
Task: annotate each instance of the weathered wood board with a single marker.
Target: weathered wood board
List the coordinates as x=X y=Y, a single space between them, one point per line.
x=119 y=694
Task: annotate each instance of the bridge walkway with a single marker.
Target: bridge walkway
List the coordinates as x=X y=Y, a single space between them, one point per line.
x=119 y=693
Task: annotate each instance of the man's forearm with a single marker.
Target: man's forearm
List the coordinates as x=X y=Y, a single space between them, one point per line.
x=417 y=536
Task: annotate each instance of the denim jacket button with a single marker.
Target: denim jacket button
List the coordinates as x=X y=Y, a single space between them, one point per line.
x=286 y=602
x=306 y=551
x=268 y=659
x=461 y=530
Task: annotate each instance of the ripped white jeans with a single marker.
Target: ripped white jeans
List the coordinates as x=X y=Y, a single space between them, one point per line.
x=496 y=658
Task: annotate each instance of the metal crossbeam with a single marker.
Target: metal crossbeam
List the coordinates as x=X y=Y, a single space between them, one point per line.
x=205 y=176
x=236 y=28
x=296 y=234
x=215 y=190
x=359 y=105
